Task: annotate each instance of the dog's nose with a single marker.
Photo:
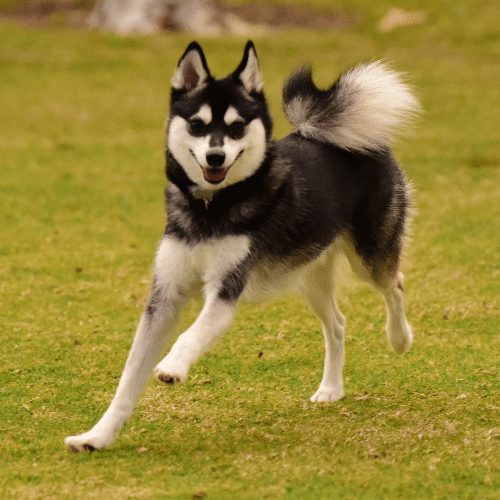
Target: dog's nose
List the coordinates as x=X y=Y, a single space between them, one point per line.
x=215 y=159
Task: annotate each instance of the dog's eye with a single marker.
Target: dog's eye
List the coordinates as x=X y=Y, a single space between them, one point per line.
x=236 y=130
x=196 y=127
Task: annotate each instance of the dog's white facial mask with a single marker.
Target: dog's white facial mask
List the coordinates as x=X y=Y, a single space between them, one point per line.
x=242 y=157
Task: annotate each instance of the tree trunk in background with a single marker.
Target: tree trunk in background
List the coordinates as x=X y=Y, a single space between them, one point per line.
x=147 y=16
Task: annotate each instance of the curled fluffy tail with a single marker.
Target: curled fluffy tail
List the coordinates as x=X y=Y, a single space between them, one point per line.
x=362 y=111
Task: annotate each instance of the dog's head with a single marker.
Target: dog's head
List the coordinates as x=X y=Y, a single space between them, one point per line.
x=219 y=129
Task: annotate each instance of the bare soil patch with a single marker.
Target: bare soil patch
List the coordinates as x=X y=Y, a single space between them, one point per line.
x=290 y=16
x=44 y=13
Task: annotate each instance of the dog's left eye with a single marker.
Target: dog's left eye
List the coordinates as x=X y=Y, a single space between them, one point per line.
x=197 y=127
x=236 y=130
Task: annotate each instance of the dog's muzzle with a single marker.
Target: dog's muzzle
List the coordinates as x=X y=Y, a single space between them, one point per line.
x=214 y=173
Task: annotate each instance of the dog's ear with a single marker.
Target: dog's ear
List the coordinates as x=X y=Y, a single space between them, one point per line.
x=248 y=73
x=192 y=69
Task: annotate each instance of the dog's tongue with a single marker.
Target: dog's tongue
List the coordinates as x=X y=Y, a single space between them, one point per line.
x=214 y=175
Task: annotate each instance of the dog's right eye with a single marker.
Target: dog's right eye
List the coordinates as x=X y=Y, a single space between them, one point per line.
x=196 y=127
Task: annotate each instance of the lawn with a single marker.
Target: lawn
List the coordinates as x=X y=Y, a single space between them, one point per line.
x=81 y=201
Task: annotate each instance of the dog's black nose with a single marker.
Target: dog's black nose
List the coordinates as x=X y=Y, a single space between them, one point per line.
x=215 y=159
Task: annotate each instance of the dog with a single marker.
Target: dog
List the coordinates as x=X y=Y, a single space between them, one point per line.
x=249 y=217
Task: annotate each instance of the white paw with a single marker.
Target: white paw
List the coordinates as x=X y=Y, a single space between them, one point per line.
x=171 y=372
x=327 y=395
x=88 y=441
x=400 y=337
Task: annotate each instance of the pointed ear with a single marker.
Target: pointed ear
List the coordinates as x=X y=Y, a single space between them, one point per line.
x=192 y=69
x=248 y=73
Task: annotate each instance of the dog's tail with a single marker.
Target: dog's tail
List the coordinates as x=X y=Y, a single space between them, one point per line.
x=362 y=111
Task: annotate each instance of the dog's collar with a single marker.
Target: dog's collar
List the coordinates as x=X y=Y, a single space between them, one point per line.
x=202 y=194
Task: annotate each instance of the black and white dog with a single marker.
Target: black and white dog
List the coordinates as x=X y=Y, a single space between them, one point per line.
x=249 y=217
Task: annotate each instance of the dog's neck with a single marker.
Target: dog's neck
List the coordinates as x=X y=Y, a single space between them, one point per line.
x=266 y=179
x=206 y=195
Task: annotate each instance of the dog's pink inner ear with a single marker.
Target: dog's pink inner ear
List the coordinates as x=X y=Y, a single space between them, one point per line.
x=191 y=72
x=248 y=71
x=191 y=77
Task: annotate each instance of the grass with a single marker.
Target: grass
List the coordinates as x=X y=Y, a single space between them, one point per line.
x=81 y=198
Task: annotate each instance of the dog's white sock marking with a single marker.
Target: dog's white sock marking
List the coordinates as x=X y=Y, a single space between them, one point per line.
x=215 y=317
x=215 y=259
x=331 y=387
x=318 y=290
x=149 y=341
x=398 y=329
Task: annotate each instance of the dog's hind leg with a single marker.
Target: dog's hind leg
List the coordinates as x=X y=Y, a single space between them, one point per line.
x=149 y=342
x=398 y=329
x=384 y=276
x=375 y=244
x=318 y=290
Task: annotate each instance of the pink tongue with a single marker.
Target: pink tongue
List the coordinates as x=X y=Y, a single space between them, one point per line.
x=215 y=175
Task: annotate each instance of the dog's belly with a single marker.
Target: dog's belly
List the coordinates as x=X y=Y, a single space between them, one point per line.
x=270 y=278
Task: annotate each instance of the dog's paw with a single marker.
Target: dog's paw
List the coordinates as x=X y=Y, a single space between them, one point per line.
x=171 y=373
x=88 y=441
x=400 y=336
x=327 y=395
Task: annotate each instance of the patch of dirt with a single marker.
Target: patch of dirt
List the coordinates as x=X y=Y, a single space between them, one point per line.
x=399 y=18
x=45 y=13
x=289 y=16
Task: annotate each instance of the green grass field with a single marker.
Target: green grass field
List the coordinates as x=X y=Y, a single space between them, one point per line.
x=81 y=202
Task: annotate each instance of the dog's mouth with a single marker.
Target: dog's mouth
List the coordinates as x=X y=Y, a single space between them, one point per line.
x=215 y=175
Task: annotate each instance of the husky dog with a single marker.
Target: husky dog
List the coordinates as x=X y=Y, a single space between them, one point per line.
x=249 y=217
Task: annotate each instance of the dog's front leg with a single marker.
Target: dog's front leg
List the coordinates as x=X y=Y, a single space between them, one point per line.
x=227 y=277
x=215 y=318
x=171 y=271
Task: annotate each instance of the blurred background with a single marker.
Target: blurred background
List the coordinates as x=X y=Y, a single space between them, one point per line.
x=84 y=88
x=202 y=17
